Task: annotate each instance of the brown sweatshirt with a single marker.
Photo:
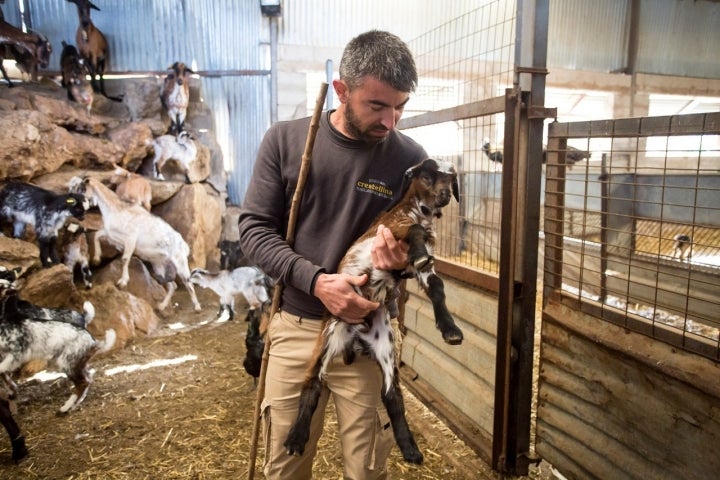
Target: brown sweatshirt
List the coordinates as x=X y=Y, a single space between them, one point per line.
x=349 y=184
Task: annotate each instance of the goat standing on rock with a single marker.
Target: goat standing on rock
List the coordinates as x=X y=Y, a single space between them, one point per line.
x=134 y=230
x=178 y=147
x=25 y=204
x=175 y=95
x=428 y=187
x=92 y=45
x=30 y=50
x=72 y=68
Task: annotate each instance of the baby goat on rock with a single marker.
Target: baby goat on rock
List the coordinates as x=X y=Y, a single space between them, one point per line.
x=428 y=187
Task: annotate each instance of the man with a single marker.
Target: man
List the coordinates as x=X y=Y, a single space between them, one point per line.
x=356 y=171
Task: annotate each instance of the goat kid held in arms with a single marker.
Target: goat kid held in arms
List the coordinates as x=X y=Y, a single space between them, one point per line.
x=358 y=163
x=429 y=187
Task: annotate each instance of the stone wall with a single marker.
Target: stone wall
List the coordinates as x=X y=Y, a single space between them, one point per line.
x=48 y=139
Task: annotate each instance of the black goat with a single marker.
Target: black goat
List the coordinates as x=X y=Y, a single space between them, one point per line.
x=175 y=95
x=25 y=204
x=428 y=187
x=254 y=340
x=72 y=67
x=495 y=156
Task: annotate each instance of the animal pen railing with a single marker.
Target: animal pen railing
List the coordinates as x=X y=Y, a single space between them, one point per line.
x=630 y=347
x=613 y=227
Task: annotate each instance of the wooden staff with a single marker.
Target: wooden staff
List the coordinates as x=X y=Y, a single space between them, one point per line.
x=277 y=294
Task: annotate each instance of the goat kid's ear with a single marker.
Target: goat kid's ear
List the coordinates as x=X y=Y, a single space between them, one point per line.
x=456 y=190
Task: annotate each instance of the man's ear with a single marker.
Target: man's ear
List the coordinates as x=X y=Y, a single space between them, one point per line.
x=341 y=90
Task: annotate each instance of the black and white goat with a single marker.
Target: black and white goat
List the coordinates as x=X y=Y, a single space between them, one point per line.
x=69 y=347
x=250 y=282
x=428 y=187
x=25 y=204
x=175 y=95
x=135 y=231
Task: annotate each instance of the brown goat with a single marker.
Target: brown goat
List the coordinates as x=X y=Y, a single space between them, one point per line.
x=429 y=186
x=132 y=187
x=92 y=45
x=29 y=50
x=175 y=95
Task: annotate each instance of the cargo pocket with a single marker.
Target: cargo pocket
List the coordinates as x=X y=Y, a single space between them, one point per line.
x=381 y=443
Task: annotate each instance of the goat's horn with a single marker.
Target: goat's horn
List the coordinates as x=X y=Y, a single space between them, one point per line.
x=92 y=5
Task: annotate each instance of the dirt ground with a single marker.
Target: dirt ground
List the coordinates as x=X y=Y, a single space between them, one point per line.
x=191 y=419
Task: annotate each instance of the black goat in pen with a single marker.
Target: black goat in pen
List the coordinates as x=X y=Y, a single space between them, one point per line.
x=428 y=187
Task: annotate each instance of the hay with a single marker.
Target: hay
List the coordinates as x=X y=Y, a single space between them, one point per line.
x=190 y=420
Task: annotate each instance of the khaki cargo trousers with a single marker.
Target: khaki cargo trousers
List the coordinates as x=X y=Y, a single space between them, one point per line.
x=364 y=427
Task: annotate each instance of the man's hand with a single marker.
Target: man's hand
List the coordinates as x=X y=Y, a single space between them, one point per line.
x=336 y=292
x=388 y=253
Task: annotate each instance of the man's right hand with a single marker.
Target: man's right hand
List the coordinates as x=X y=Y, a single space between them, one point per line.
x=337 y=293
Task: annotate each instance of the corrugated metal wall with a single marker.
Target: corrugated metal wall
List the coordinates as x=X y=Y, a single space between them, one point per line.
x=228 y=38
x=676 y=38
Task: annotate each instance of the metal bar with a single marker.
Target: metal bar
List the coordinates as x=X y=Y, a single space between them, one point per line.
x=461 y=112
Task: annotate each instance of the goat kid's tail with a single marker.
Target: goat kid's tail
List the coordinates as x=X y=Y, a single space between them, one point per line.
x=109 y=341
x=89 y=310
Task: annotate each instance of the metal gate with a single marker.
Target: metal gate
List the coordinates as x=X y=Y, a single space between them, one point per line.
x=631 y=338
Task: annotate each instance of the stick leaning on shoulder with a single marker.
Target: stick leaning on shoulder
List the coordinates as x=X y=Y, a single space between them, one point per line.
x=277 y=294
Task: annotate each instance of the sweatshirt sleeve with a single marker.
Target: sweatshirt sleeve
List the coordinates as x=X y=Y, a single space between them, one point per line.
x=263 y=219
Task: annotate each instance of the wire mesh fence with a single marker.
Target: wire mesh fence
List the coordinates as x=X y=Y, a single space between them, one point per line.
x=463 y=64
x=633 y=235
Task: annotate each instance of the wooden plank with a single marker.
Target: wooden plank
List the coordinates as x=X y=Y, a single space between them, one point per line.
x=469 y=110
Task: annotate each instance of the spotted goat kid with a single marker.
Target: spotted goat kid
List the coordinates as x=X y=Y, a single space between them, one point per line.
x=427 y=188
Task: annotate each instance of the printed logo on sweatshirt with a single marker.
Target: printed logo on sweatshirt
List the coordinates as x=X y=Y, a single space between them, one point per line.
x=376 y=187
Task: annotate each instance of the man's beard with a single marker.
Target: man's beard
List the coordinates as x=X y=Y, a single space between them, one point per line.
x=352 y=125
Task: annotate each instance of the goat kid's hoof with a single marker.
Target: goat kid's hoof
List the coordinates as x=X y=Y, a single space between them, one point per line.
x=413 y=456
x=453 y=337
x=19 y=450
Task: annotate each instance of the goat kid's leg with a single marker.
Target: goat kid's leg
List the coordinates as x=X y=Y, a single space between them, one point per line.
x=97 y=251
x=81 y=379
x=418 y=255
x=5 y=75
x=128 y=250
x=393 y=401
x=309 y=397
x=86 y=275
x=444 y=321
x=45 y=257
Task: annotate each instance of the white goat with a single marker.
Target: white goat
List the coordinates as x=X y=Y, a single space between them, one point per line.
x=132 y=188
x=250 y=282
x=134 y=230
x=171 y=147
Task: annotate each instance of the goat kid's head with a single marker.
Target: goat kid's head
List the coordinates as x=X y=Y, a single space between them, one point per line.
x=434 y=181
